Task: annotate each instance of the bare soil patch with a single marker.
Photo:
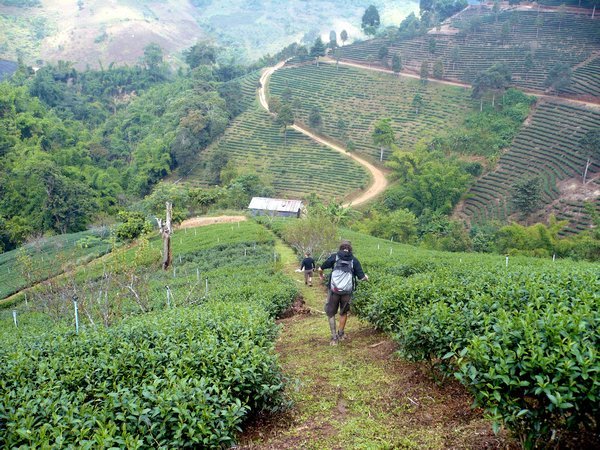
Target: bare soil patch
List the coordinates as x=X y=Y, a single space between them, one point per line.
x=114 y=31
x=203 y=221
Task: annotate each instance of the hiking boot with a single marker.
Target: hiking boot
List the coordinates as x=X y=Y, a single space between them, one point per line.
x=334 y=341
x=341 y=336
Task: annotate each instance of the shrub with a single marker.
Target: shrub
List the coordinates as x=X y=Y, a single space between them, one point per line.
x=186 y=378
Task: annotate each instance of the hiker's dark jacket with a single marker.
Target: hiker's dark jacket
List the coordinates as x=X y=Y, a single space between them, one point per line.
x=308 y=264
x=357 y=270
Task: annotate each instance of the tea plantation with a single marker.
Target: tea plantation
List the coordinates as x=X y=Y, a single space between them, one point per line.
x=477 y=39
x=360 y=98
x=549 y=146
x=47 y=257
x=292 y=164
x=178 y=370
x=522 y=335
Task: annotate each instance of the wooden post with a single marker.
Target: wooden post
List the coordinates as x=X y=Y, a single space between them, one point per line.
x=165 y=231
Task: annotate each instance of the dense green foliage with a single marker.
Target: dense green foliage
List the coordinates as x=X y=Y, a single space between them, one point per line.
x=184 y=378
x=523 y=337
x=186 y=375
x=436 y=11
x=75 y=146
x=488 y=132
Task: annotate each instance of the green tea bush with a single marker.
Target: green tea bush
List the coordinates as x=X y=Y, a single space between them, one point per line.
x=185 y=378
x=523 y=338
x=184 y=374
x=537 y=370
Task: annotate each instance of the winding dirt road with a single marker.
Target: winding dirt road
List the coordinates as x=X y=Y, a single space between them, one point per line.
x=379 y=180
x=537 y=94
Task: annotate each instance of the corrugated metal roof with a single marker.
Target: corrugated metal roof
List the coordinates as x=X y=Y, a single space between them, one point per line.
x=275 y=204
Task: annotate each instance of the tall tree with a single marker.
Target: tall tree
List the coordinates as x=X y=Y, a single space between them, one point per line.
x=153 y=56
x=201 y=54
x=424 y=72
x=561 y=13
x=454 y=56
x=528 y=64
x=286 y=95
x=417 y=102
x=383 y=135
x=314 y=119
x=438 y=69
x=370 y=21
x=496 y=10
x=332 y=40
x=396 y=63
x=285 y=118
x=504 y=32
x=590 y=148
x=559 y=77
x=527 y=195
x=495 y=80
x=383 y=54
x=317 y=50
x=344 y=36
x=342 y=128
x=539 y=22
x=432 y=45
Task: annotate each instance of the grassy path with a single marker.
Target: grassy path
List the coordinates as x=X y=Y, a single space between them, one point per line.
x=358 y=395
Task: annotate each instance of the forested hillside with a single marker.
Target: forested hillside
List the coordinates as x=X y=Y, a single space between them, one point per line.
x=78 y=146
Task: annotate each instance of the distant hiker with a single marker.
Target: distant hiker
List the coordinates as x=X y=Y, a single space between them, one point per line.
x=341 y=284
x=308 y=266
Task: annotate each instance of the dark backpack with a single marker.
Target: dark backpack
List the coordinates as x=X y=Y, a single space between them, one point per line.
x=342 y=276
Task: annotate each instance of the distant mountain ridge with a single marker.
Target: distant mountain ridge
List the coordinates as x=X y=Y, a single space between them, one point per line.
x=99 y=32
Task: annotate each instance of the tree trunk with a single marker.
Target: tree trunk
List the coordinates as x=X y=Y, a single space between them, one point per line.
x=593 y=11
x=587 y=166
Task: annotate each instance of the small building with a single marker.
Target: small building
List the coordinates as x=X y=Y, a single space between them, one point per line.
x=263 y=206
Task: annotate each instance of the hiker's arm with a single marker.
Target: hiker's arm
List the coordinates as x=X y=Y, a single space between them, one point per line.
x=358 y=271
x=328 y=264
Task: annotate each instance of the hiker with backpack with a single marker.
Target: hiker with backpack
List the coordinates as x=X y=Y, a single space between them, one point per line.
x=308 y=267
x=341 y=284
